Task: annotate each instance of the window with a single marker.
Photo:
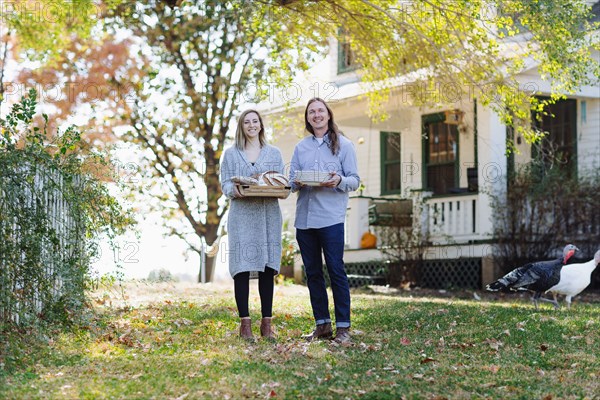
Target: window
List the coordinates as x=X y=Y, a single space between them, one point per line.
x=390 y=163
x=346 y=60
x=558 y=147
x=440 y=148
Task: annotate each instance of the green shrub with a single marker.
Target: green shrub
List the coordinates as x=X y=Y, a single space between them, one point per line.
x=544 y=209
x=51 y=209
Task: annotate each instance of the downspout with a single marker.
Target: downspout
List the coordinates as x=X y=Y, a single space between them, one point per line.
x=475 y=132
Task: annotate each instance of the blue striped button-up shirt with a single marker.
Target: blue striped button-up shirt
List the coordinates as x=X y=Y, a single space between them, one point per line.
x=320 y=207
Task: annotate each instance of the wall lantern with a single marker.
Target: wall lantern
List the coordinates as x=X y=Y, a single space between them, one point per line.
x=454 y=117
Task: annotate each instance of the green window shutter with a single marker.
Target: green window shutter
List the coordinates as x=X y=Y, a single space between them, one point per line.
x=391 y=167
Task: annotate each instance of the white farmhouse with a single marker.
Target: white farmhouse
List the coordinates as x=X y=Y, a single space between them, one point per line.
x=451 y=157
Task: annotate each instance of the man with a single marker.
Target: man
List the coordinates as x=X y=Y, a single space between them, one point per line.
x=321 y=212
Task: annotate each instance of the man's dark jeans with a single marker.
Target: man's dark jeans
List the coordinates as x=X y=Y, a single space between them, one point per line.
x=330 y=241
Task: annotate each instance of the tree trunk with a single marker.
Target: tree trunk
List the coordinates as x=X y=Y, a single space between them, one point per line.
x=211 y=262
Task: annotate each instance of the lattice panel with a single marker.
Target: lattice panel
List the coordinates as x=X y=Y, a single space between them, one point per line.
x=361 y=274
x=462 y=273
x=455 y=273
x=374 y=268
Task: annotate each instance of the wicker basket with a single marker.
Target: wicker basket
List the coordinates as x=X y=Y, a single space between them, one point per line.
x=281 y=192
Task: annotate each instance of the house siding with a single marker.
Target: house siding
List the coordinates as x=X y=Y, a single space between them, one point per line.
x=588 y=134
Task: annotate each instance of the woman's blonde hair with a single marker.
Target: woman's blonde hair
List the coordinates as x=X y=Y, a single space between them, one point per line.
x=240 y=137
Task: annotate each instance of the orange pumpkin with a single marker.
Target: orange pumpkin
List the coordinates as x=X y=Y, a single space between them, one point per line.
x=368 y=241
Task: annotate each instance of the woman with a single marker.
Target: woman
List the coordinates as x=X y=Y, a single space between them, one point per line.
x=254 y=223
x=320 y=215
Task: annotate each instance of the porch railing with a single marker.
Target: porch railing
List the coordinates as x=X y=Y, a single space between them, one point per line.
x=452 y=218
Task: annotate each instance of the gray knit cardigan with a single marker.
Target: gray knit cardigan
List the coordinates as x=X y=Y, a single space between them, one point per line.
x=254 y=223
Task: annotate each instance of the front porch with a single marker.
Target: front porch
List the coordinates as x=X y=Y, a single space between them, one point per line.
x=444 y=220
x=457 y=251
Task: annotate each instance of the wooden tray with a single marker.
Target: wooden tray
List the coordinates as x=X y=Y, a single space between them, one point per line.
x=281 y=192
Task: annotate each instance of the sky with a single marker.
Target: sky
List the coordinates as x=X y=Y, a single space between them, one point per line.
x=135 y=257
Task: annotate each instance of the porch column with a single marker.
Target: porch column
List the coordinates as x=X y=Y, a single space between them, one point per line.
x=357 y=221
x=492 y=168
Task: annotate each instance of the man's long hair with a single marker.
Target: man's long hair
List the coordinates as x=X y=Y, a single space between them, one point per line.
x=333 y=132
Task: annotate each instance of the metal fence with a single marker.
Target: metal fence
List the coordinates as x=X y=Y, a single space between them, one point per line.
x=41 y=243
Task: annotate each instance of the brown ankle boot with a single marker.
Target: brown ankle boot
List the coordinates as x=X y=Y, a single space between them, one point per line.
x=246 y=329
x=265 y=329
x=342 y=335
x=322 y=331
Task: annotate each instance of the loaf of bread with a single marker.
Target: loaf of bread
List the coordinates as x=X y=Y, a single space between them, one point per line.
x=244 y=180
x=273 y=178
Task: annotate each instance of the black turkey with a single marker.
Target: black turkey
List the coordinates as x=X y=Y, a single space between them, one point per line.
x=537 y=276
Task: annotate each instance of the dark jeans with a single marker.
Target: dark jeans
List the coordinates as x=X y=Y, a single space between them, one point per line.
x=329 y=241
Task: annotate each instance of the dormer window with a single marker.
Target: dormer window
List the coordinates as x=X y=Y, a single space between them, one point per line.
x=346 y=59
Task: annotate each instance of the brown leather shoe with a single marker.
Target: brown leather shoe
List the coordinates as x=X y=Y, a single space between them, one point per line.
x=246 y=329
x=342 y=335
x=323 y=331
x=265 y=329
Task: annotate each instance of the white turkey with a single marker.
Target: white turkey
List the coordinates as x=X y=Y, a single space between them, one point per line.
x=573 y=279
x=537 y=276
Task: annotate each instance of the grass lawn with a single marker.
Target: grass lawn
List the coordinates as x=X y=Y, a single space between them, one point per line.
x=180 y=342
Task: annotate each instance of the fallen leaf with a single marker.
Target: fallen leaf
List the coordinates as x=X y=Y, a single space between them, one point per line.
x=405 y=341
x=182 y=322
x=493 y=368
x=427 y=360
x=494 y=344
x=589 y=323
x=543 y=347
